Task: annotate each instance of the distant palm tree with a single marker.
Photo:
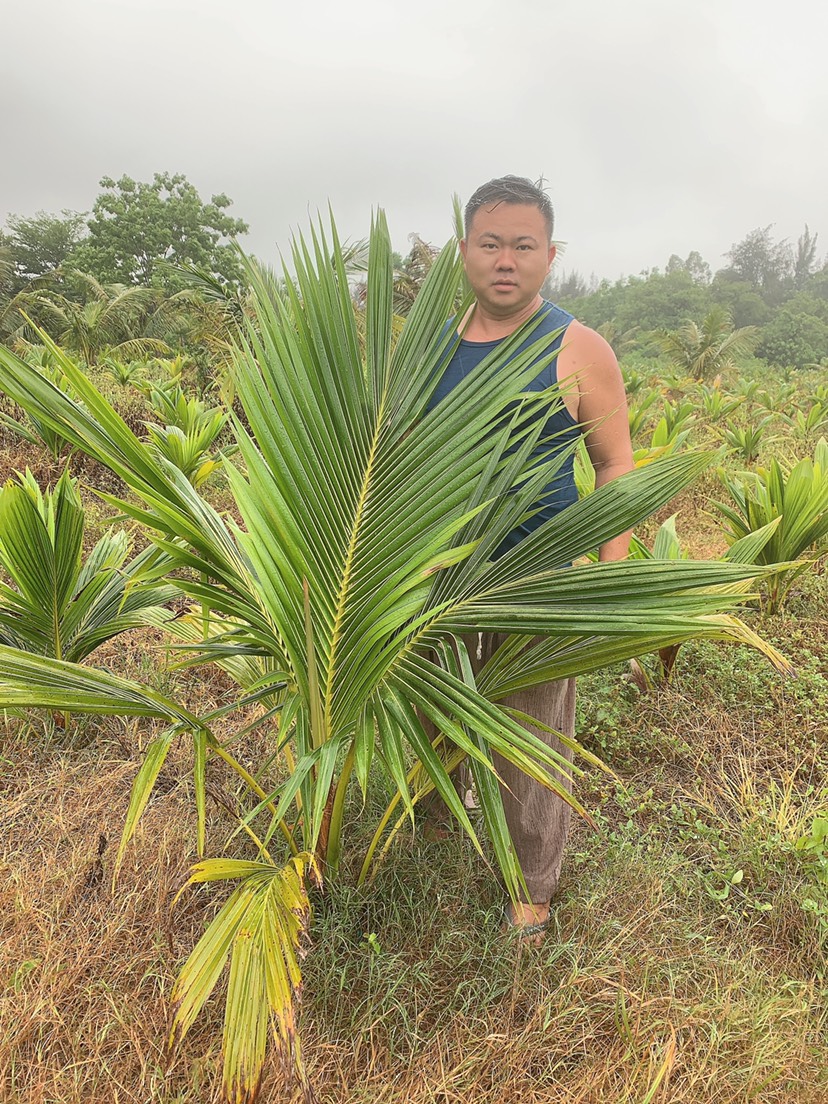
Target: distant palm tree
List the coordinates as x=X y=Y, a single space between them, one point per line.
x=13 y=303
x=409 y=276
x=706 y=350
x=105 y=323
x=620 y=340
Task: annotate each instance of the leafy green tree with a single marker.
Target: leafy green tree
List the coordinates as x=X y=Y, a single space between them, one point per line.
x=42 y=243
x=646 y=304
x=563 y=285
x=365 y=555
x=741 y=299
x=818 y=283
x=134 y=225
x=706 y=350
x=695 y=266
x=765 y=264
x=797 y=334
x=805 y=258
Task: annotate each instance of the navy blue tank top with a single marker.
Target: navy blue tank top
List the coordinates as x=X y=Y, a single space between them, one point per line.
x=561 y=492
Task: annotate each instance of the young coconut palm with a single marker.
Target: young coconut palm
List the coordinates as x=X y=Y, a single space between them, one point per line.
x=795 y=500
x=57 y=604
x=105 y=323
x=369 y=526
x=707 y=350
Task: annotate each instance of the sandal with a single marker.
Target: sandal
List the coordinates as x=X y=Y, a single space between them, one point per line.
x=525 y=931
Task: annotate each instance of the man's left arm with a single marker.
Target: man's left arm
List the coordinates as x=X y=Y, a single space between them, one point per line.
x=602 y=411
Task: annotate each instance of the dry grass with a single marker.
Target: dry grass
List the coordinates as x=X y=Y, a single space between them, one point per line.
x=643 y=990
x=85 y=969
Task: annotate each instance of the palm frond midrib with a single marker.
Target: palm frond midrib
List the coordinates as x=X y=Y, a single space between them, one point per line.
x=344 y=594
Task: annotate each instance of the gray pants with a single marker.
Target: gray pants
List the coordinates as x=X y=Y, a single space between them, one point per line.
x=538 y=820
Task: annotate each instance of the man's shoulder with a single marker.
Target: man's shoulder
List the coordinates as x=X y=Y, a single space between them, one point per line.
x=588 y=355
x=555 y=317
x=589 y=341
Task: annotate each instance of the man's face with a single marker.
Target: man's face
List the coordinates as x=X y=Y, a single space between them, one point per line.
x=507 y=257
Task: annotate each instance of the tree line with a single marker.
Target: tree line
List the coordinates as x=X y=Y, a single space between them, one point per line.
x=768 y=286
x=162 y=235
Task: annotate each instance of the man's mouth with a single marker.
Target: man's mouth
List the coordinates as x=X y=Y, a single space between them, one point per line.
x=505 y=283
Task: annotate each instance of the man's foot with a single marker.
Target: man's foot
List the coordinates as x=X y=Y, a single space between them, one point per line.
x=436 y=831
x=529 y=920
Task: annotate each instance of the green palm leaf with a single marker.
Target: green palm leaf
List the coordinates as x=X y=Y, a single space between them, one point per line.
x=31 y=681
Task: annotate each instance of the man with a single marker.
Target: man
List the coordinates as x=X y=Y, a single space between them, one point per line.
x=507 y=253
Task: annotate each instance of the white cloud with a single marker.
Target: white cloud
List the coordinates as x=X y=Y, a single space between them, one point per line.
x=660 y=127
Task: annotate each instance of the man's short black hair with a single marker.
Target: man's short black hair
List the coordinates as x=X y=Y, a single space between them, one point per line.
x=511 y=189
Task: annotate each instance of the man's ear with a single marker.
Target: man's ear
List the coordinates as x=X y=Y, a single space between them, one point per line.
x=553 y=250
x=463 y=248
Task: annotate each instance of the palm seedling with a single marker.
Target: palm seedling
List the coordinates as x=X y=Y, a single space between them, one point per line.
x=124 y=373
x=677 y=416
x=664 y=441
x=667 y=546
x=173 y=407
x=172 y=369
x=808 y=421
x=747 y=388
x=747 y=440
x=638 y=411
x=634 y=381
x=55 y=603
x=796 y=499
x=779 y=400
x=191 y=430
x=714 y=402
x=363 y=557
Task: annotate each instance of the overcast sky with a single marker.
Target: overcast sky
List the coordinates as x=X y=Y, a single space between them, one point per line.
x=660 y=127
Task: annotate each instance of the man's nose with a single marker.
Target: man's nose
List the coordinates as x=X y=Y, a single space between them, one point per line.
x=505 y=258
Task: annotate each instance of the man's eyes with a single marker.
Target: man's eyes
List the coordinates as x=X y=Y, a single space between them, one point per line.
x=493 y=245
